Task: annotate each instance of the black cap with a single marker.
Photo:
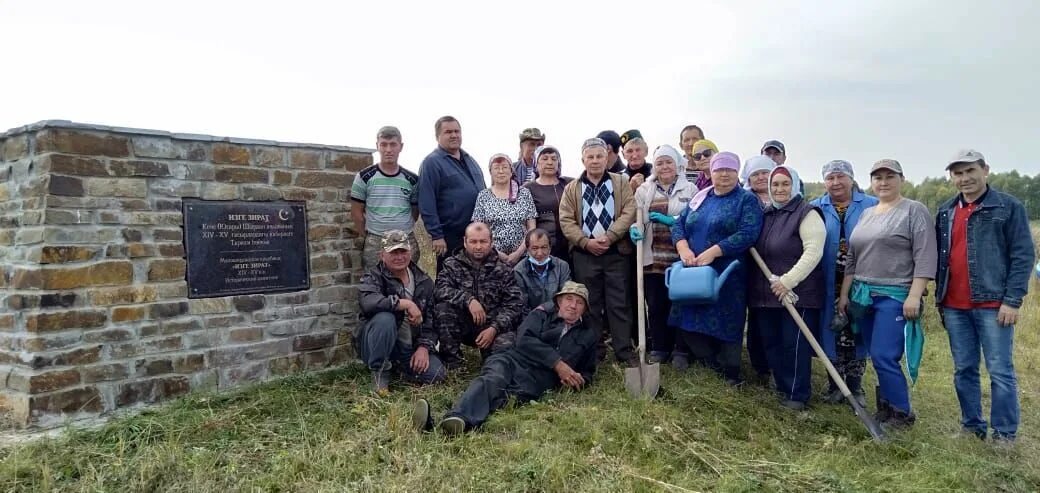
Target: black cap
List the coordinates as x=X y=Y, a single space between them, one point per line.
x=629 y=135
x=775 y=144
x=611 y=138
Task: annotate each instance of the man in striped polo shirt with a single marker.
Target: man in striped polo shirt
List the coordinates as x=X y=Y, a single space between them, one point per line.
x=384 y=197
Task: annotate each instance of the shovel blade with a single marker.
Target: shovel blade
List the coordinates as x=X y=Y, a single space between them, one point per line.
x=643 y=382
x=872 y=426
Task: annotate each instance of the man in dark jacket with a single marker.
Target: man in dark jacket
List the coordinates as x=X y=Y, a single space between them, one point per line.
x=554 y=349
x=393 y=296
x=540 y=275
x=449 y=181
x=478 y=301
x=986 y=254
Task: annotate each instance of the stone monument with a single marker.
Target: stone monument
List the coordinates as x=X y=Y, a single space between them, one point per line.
x=99 y=307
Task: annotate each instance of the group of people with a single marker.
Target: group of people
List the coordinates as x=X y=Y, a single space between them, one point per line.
x=536 y=271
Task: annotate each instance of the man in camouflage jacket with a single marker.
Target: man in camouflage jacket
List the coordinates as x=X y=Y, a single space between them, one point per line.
x=478 y=301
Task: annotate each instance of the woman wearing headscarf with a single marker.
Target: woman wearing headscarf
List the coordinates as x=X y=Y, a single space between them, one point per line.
x=892 y=257
x=720 y=225
x=697 y=170
x=507 y=209
x=755 y=178
x=546 y=191
x=659 y=200
x=842 y=206
x=791 y=244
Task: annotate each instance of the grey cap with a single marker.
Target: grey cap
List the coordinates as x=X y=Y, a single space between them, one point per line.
x=966 y=156
x=776 y=144
x=889 y=164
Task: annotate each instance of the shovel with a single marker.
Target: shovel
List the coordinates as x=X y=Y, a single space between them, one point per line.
x=867 y=419
x=645 y=380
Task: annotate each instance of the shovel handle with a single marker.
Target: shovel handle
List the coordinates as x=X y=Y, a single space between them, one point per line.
x=833 y=372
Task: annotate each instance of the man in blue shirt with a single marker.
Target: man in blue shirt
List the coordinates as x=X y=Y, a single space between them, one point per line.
x=449 y=181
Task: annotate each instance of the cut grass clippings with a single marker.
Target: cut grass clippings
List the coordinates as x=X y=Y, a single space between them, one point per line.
x=327 y=432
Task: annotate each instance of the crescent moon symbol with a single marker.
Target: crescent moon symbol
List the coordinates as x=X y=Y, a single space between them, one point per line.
x=283 y=215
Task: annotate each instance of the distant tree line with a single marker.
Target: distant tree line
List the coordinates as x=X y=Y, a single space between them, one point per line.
x=934 y=191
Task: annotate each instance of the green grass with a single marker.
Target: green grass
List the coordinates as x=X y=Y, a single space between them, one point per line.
x=327 y=432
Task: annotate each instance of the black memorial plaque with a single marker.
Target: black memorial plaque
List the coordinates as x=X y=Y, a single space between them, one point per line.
x=241 y=247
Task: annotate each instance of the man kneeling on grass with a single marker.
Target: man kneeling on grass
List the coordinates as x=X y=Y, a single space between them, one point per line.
x=394 y=332
x=554 y=348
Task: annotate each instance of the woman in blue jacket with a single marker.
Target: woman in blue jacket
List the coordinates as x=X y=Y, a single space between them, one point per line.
x=841 y=205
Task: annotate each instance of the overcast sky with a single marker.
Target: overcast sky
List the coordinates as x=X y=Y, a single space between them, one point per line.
x=861 y=81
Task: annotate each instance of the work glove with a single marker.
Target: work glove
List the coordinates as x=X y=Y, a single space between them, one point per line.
x=664 y=219
x=635 y=233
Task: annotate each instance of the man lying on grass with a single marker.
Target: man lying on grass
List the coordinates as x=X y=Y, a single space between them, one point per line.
x=554 y=348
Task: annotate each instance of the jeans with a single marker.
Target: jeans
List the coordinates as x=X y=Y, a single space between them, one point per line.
x=970 y=331
x=787 y=350
x=378 y=345
x=883 y=329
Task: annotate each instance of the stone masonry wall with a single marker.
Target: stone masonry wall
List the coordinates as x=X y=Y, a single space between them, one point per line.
x=93 y=308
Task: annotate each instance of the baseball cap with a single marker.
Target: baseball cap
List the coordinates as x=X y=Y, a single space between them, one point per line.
x=965 y=156
x=775 y=144
x=571 y=287
x=532 y=134
x=629 y=135
x=611 y=138
x=395 y=239
x=889 y=164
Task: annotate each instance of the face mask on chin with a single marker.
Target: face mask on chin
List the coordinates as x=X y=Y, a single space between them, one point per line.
x=537 y=263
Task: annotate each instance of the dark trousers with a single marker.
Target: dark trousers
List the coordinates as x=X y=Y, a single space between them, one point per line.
x=501 y=375
x=723 y=357
x=787 y=350
x=609 y=283
x=456 y=328
x=756 y=353
x=661 y=335
x=379 y=348
x=454 y=241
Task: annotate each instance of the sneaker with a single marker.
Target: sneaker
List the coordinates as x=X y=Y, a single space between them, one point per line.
x=452 y=425
x=657 y=357
x=421 y=419
x=793 y=405
x=680 y=362
x=1003 y=442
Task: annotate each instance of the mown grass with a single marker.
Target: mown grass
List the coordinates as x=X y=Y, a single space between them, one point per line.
x=327 y=432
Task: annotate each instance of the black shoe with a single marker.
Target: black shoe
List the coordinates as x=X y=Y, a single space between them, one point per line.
x=734 y=382
x=900 y=420
x=859 y=397
x=884 y=410
x=834 y=396
x=452 y=425
x=680 y=362
x=631 y=361
x=421 y=419
x=793 y=405
x=762 y=379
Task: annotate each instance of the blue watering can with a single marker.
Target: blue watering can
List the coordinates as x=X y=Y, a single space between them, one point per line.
x=695 y=285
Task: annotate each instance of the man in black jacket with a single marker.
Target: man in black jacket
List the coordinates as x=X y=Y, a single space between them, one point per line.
x=394 y=295
x=554 y=348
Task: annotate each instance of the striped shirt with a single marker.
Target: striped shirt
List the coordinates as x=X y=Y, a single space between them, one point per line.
x=388 y=199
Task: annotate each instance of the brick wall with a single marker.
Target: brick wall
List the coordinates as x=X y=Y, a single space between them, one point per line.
x=93 y=308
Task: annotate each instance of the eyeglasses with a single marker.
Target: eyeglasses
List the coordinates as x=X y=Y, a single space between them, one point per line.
x=705 y=154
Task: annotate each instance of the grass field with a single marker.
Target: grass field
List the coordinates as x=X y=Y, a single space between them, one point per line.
x=327 y=432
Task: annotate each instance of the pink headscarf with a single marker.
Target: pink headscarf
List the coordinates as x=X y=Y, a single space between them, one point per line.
x=722 y=160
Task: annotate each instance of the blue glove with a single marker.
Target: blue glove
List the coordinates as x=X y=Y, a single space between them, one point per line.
x=664 y=219
x=635 y=234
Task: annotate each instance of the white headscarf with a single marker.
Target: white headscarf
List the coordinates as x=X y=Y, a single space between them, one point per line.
x=754 y=165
